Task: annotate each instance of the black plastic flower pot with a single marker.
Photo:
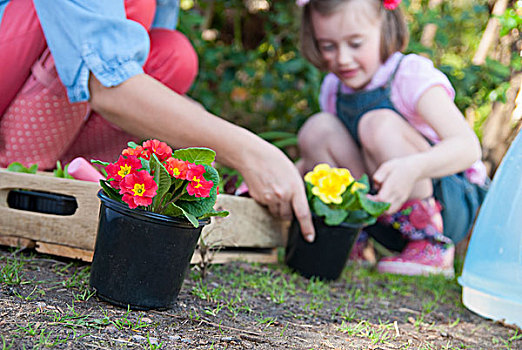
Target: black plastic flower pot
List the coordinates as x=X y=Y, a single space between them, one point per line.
x=141 y=258
x=324 y=258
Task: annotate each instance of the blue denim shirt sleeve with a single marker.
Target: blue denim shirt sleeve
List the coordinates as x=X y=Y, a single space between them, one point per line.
x=92 y=36
x=167 y=13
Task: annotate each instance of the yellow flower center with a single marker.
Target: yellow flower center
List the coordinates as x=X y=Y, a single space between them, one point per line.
x=176 y=172
x=139 y=189
x=195 y=179
x=124 y=170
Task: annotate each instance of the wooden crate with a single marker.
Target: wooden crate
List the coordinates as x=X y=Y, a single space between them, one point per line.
x=249 y=233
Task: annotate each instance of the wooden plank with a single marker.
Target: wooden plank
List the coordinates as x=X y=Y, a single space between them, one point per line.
x=265 y=256
x=248 y=225
x=62 y=250
x=17 y=242
x=221 y=257
x=77 y=230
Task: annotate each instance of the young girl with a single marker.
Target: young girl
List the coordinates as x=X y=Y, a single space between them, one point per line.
x=392 y=116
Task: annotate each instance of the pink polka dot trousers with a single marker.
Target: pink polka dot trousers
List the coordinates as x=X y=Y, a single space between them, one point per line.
x=37 y=122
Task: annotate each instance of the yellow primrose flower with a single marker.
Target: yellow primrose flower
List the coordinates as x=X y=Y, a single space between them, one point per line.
x=330 y=188
x=343 y=175
x=319 y=172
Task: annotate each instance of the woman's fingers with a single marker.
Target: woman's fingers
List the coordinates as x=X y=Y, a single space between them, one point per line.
x=303 y=215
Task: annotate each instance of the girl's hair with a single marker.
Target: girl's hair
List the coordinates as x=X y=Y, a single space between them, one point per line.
x=394 y=31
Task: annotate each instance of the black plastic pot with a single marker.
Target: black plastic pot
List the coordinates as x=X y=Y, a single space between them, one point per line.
x=388 y=236
x=324 y=258
x=141 y=258
x=42 y=202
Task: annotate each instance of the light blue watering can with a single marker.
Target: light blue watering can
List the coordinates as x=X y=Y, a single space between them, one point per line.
x=492 y=276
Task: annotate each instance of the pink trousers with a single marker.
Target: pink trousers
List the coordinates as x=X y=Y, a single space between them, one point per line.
x=37 y=122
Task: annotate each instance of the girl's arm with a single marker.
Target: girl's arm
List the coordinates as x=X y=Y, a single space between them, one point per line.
x=458 y=149
x=146 y=108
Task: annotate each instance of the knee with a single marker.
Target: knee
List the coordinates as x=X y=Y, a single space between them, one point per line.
x=315 y=131
x=172 y=59
x=376 y=127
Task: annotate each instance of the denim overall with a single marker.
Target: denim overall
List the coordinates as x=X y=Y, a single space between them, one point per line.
x=459 y=198
x=351 y=107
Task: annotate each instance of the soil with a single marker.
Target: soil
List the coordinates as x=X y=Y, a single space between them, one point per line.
x=45 y=302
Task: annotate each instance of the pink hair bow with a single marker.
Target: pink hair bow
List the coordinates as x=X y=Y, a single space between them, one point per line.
x=301 y=3
x=391 y=4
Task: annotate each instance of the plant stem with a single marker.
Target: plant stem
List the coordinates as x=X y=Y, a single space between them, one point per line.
x=174 y=199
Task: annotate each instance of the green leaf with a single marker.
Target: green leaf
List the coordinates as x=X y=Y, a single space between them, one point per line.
x=132 y=144
x=331 y=216
x=373 y=208
x=99 y=162
x=221 y=214
x=33 y=168
x=17 y=167
x=145 y=164
x=203 y=205
x=20 y=168
x=58 y=172
x=66 y=172
x=173 y=210
x=162 y=179
x=274 y=135
x=196 y=155
x=364 y=180
x=193 y=220
x=349 y=200
x=109 y=191
x=286 y=142
x=168 y=197
x=188 y=197
x=360 y=217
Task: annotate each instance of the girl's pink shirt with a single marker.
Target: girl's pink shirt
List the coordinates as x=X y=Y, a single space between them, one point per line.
x=416 y=74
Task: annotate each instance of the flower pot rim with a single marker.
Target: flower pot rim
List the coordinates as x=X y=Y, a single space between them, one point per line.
x=147 y=215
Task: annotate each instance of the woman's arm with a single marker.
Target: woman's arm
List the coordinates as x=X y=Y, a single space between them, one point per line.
x=146 y=108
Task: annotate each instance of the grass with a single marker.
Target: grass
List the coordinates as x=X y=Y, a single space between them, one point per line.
x=272 y=297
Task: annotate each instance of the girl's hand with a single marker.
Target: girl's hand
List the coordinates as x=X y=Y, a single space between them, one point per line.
x=395 y=180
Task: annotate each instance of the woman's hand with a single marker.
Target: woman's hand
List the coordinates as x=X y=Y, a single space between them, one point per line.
x=274 y=181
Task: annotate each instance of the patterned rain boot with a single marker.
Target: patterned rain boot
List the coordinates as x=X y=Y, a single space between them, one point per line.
x=429 y=251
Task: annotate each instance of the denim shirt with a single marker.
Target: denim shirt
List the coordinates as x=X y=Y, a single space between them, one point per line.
x=94 y=36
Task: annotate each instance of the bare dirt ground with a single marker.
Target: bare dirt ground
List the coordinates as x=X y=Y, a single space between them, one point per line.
x=45 y=302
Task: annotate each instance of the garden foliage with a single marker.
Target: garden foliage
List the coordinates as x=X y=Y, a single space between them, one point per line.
x=252 y=73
